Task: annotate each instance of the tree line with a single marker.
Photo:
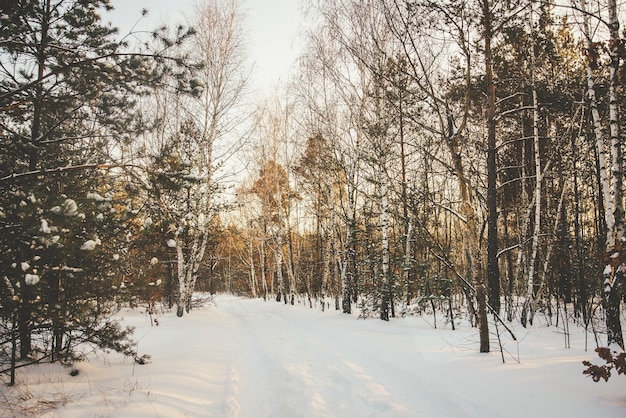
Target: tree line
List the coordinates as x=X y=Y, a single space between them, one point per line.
x=463 y=157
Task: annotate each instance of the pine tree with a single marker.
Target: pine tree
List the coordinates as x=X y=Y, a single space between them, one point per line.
x=67 y=91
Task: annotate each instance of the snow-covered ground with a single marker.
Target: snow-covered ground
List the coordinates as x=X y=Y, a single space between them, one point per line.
x=254 y=359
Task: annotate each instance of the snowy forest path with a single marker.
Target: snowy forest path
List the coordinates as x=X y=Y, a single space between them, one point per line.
x=287 y=365
x=246 y=358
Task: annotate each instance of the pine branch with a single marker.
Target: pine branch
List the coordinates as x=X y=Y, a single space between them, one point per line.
x=57 y=170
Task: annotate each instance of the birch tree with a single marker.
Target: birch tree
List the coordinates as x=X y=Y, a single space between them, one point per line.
x=337 y=103
x=614 y=281
x=529 y=302
x=611 y=177
x=319 y=176
x=272 y=184
x=202 y=136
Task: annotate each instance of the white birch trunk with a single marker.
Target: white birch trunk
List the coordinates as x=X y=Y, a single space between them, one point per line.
x=384 y=226
x=407 y=261
x=617 y=170
x=546 y=261
x=614 y=283
x=384 y=218
x=254 y=284
x=263 y=276
x=279 y=264
x=611 y=183
x=345 y=285
x=188 y=266
x=328 y=254
x=349 y=246
x=609 y=210
x=290 y=261
x=180 y=264
x=529 y=304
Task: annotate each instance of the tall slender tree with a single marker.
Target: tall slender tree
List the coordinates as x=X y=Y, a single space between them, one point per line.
x=199 y=129
x=610 y=177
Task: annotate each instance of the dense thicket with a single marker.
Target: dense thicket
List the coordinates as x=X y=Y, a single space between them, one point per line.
x=462 y=157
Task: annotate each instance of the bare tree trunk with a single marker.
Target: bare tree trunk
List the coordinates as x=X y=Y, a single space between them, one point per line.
x=610 y=183
x=546 y=261
x=471 y=233
x=263 y=264
x=493 y=271
x=407 y=261
x=348 y=261
x=254 y=284
x=182 y=287
x=614 y=283
x=528 y=310
x=597 y=130
x=279 y=264
x=384 y=221
x=290 y=261
x=617 y=169
x=406 y=221
x=328 y=256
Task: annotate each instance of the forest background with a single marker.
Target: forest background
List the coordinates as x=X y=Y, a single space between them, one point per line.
x=461 y=158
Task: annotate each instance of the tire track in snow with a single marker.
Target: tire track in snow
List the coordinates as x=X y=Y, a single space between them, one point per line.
x=292 y=365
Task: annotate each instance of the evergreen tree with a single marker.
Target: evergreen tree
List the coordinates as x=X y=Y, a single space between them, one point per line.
x=67 y=91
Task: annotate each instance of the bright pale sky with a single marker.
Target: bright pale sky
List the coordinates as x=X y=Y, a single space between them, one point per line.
x=272 y=26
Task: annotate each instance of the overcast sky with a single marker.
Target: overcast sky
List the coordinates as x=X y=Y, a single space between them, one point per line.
x=272 y=26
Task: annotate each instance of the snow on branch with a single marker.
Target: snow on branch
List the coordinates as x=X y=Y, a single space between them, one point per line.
x=101 y=166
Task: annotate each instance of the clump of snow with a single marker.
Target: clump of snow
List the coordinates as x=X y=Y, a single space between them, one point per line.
x=31 y=279
x=90 y=244
x=147 y=223
x=195 y=178
x=69 y=207
x=95 y=196
x=171 y=243
x=45 y=228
